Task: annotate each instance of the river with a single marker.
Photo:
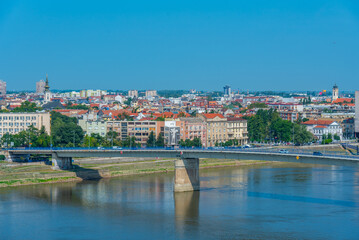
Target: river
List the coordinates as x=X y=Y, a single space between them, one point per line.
x=253 y=202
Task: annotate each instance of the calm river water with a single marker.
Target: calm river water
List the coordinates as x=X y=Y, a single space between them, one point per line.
x=258 y=202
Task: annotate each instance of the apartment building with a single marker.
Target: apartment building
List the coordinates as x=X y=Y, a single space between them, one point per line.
x=216 y=128
x=93 y=127
x=40 y=86
x=173 y=132
x=133 y=93
x=14 y=123
x=92 y=93
x=221 y=129
x=237 y=129
x=348 y=128
x=195 y=128
x=151 y=93
x=138 y=129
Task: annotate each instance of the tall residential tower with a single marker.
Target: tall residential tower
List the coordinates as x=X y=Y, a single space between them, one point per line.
x=2 y=88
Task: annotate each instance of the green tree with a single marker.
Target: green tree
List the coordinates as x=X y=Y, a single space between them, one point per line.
x=128 y=101
x=65 y=131
x=151 y=141
x=336 y=137
x=79 y=106
x=125 y=116
x=27 y=107
x=160 y=142
x=130 y=142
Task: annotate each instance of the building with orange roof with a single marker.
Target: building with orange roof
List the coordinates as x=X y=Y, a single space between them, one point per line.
x=221 y=129
x=321 y=127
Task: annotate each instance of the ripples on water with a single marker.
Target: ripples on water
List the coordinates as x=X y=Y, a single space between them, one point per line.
x=234 y=203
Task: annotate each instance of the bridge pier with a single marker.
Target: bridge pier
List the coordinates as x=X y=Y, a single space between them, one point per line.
x=186 y=175
x=61 y=163
x=17 y=158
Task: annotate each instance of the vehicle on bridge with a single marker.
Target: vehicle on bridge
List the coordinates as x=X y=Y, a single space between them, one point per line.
x=283 y=151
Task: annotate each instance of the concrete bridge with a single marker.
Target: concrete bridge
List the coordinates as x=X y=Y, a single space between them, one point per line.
x=186 y=160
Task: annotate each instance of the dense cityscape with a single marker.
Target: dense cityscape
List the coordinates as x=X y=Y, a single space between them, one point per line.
x=150 y=118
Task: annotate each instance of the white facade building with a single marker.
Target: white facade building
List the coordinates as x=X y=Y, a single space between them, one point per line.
x=151 y=93
x=14 y=123
x=40 y=86
x=320 y=127
x=133 y=93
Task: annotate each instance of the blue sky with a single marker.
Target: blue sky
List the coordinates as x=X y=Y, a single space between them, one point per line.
x=141 y=44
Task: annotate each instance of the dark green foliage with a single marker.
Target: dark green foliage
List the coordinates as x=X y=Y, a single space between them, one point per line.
x=151 y=141
x=128 y=101
x=30 y=137
x=267 y=126
x=336 y=137
x=160 y=119
x=124 y=116
x=27 y=107
x=196 y=142
x=130 y=142
x=65 y=131
x=257 y=105
x=160 y=142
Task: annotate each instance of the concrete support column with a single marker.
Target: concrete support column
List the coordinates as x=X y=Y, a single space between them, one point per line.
x=17 y=157
x=186 y=175
x=61 y=163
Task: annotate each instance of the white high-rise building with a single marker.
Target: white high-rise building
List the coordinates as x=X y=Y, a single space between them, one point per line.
x=2 y=88
x=133 y=93
x=151 y=93
x=227 y=90
x=40 y=86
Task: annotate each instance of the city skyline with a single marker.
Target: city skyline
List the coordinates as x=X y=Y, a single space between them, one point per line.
x=254 y=45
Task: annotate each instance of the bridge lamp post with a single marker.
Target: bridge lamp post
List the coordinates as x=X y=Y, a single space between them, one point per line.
x=74 y=137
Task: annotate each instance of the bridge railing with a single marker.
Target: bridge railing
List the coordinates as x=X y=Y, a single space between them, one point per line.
x=306 y=152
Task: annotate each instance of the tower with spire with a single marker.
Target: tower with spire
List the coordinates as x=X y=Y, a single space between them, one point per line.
x=47 y=97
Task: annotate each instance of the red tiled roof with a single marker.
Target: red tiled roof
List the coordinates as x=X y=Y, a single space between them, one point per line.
x=318 y=122
x=212 y=115
x=343 y=100
x=320 y=126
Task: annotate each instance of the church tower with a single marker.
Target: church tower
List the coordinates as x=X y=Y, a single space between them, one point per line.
x=47 y=97
x=335 y=93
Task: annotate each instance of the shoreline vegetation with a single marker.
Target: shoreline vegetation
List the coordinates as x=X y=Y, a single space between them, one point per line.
x=20 y=174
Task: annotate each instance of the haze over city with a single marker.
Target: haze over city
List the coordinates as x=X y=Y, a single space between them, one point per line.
x=250 y=45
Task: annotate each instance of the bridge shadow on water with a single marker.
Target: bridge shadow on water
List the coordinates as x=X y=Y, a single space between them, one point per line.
x=86 y=173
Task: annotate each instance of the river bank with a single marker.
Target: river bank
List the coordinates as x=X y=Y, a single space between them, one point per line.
x=17 y=174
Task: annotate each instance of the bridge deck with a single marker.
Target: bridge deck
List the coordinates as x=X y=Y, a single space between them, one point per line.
x=243 y=154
